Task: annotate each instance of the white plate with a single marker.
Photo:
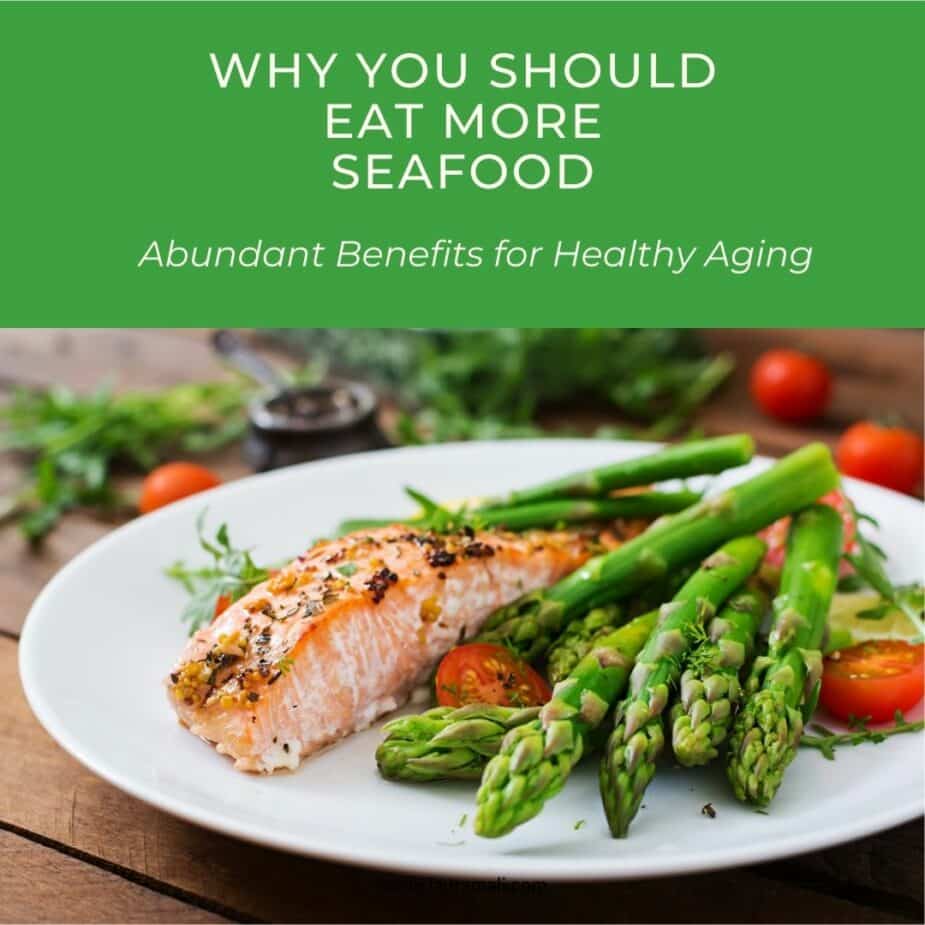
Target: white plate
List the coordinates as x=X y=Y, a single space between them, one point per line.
x=104 y=632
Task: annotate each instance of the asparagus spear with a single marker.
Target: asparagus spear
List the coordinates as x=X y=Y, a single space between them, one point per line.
x=447 y=742
x=530 y=623
x=546 y=513
x=536 y=757
x=638 y=736
x=580 y=636
x=784 y=684
x=710 y=690
x=698 y=457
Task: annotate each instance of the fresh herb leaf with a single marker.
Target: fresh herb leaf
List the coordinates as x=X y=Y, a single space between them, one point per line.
x=875 y=613
x=74 y=442
x=828 y=740
x=284 y=665
x=491 y=384
x=347 y=569
x=231 y=574
x=435 y=516
x=868 y=563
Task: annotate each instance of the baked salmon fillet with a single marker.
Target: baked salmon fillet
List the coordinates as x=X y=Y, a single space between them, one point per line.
x=342 y=634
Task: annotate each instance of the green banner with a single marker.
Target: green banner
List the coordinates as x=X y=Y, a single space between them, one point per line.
x=462 y=164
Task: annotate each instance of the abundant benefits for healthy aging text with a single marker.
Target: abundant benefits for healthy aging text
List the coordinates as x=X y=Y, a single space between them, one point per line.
x=446 y=254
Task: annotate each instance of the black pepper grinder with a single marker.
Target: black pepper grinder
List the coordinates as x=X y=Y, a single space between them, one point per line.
x=293 y=424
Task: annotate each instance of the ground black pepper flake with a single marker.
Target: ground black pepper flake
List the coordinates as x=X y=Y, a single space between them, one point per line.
x=441 y=557
x=379 y=583
x=478 y=550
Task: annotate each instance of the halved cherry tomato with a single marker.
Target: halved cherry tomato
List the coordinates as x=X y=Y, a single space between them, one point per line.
x=890 y=456
x=172 y=481
x=484 y=673
x=874 y=679
x=790 y=385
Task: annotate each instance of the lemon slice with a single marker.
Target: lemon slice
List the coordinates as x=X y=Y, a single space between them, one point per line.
x=847 y=614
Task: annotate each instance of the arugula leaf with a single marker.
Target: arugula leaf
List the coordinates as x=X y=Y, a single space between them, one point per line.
x=868 y=562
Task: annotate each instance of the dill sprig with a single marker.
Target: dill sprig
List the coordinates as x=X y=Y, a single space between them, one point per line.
x=702 y=654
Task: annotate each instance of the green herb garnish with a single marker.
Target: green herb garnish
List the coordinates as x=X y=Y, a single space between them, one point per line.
x=488 y=384
x=74 y=442
x=232 y=574
x=827 y=741
x=284 y=665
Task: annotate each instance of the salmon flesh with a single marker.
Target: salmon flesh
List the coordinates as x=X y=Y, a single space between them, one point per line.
x=343 y=634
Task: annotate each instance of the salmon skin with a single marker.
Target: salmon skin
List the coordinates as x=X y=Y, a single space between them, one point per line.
x=342 y=634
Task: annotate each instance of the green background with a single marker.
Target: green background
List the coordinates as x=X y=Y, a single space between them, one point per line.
x=116 y=133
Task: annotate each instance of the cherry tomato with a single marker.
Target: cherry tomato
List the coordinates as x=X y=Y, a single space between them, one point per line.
x=172 y=481
x=484 y=673
x=873 y=679
x=790 y=386
x=890 y=456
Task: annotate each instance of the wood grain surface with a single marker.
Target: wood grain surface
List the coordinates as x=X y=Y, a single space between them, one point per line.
x=40 y=883
x=75 y=849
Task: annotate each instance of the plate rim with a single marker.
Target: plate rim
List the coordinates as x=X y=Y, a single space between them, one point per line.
x=462 y=867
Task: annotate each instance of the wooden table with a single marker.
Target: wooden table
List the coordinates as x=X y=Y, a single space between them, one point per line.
x=73 y=848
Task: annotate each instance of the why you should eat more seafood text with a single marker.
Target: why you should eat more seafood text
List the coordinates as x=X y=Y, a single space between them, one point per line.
x=459 y=119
